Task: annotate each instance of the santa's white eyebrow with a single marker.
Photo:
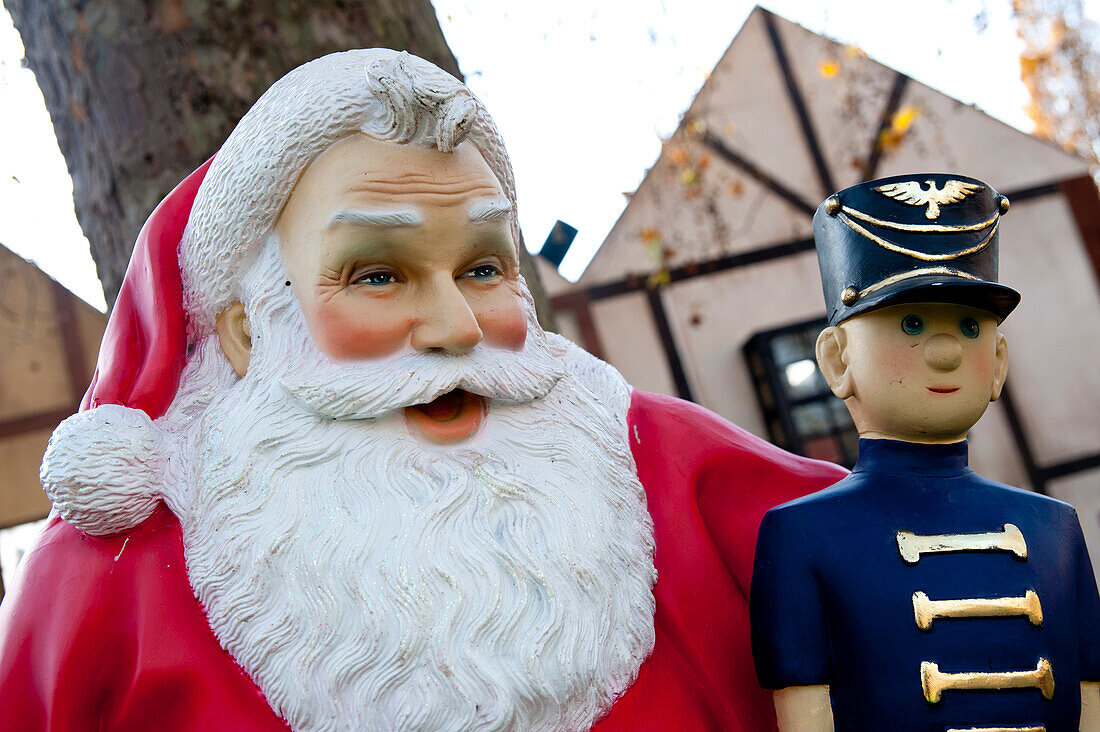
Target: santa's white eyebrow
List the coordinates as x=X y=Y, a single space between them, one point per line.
x=486 y=211
x=403 y=217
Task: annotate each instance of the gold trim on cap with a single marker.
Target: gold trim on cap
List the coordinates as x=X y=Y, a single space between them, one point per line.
x=935 y=682
x=1010 y=539
x=911 y=274
x=999 y=729
x=926 y=610
x=923 y=228
x=842 y=216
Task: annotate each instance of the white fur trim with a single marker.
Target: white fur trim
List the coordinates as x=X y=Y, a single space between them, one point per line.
x=102 y=469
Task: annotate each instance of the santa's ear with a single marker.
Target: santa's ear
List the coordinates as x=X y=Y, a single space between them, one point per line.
x=831 y=361
x=1000 y=367
x=234 y=337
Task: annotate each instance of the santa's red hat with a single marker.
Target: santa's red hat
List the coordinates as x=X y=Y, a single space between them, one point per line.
x=103 y=465
x=144 y=347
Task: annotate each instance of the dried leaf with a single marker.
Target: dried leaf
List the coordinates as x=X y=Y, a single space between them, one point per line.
x=696 y=127
x=658 y=279
x=903 y=119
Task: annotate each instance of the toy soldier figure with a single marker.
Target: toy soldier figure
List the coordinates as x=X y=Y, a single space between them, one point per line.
x=915 y=594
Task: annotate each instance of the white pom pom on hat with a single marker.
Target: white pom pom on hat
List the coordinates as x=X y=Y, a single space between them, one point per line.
x=105 y=464
x=102 y=469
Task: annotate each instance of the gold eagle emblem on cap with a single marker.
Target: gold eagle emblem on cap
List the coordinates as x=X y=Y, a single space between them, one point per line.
x=912 y=193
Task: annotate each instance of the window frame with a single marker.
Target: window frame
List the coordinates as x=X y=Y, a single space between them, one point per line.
x=779 y=416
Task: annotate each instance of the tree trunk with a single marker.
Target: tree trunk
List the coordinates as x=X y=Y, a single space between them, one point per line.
x=142 y=91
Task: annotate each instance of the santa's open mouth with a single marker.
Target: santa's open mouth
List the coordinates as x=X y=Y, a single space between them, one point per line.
x=450 y=417
x=943 y=389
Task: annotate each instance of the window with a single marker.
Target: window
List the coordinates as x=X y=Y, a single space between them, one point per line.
x=801 y=414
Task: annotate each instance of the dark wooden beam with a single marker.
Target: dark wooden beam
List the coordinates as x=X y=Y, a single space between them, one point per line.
x=580 y=305
x=754 y=171
x=1069 y=467
x=664 y=332
x=1026 y=194
x=794 y=93
x=71 y=343
x=885 y=122
x=587 y=324
x=688 y=271
x=1084 y=202
x=1019 y=436
x=1041 y=475
x=35 y=422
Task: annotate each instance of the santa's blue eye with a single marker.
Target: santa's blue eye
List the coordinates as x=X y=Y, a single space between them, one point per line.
x=969 y=327
x=912 y=324
x=375 y=279
x=483 y=272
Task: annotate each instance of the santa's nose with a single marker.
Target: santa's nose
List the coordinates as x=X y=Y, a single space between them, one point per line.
x=943 y=352
x=447 y=323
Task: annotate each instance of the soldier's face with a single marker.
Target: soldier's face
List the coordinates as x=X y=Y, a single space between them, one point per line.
x=922 y=372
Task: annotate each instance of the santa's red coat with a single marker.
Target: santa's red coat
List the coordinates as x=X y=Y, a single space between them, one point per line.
x=105 y=634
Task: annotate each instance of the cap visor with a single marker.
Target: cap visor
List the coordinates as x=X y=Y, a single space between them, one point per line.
x=996 y=298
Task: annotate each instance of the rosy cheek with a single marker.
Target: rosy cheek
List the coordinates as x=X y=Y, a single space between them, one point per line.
x=898 y=360
x=505 y=325
x=344 y=332
x=982 y=368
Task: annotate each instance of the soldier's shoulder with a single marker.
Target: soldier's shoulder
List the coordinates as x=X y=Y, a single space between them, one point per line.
x=1035 y=501
x=837 y=496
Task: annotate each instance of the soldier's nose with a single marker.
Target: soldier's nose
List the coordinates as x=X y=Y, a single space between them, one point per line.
x=943 y=352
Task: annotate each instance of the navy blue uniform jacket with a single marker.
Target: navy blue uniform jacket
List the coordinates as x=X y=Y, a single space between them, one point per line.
x=832 y=598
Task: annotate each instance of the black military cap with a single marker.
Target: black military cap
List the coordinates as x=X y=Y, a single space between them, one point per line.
x=926 y=237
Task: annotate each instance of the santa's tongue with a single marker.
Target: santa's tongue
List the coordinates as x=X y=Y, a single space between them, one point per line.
x=446 y=407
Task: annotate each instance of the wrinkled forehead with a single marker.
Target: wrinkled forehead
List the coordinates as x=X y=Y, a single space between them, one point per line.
x=362 y=163
x=363 y=174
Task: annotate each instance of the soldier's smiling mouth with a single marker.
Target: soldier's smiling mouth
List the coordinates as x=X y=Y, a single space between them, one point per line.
x=451 y=417
x=943 y=389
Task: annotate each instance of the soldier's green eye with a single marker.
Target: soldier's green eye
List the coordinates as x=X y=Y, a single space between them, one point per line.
x=969 y=327
x=912 y=324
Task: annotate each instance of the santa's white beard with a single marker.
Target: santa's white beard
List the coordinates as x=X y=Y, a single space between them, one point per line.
x=366 y=580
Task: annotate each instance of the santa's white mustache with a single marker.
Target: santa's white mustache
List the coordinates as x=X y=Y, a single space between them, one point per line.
x=370 y=389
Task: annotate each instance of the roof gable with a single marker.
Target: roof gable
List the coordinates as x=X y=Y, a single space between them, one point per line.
x=747 y=167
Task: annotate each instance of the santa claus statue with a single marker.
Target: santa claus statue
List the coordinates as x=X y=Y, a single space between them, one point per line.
x=332 y=475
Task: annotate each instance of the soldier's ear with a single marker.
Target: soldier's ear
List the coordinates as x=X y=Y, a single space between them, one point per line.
x=1000 y=367
x=832 y=362
x=234 y=337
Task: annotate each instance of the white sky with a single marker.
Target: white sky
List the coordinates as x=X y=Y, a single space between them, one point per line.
x=582 y=92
